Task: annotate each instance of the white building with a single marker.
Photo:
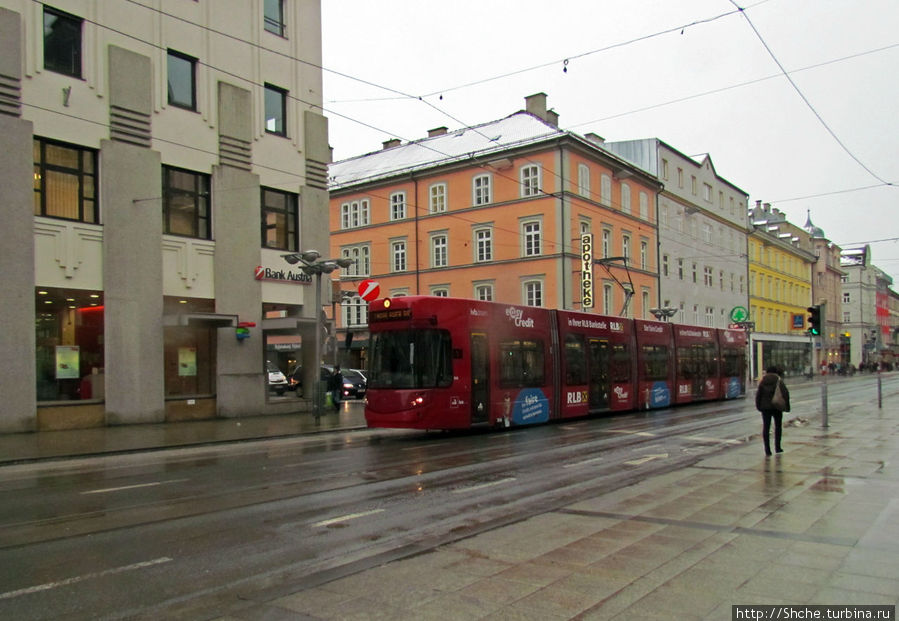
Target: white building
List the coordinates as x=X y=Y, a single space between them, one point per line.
x=156 y=159
x=703 y=264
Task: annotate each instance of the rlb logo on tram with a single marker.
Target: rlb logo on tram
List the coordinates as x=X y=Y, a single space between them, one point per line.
x=576 y=397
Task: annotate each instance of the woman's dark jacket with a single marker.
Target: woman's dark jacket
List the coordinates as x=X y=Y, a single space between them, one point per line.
x=766 y=391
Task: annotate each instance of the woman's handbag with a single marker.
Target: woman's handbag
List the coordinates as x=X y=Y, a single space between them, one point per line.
x=777 y=399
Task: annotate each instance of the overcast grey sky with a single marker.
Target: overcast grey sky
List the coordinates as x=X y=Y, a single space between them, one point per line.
x=698 y=74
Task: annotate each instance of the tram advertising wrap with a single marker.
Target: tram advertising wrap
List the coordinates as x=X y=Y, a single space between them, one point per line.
x=445 y=363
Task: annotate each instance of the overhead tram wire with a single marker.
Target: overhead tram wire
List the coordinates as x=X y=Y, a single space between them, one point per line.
x=806 y=100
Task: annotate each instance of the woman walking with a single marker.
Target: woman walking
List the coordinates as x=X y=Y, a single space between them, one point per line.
x=772 y=399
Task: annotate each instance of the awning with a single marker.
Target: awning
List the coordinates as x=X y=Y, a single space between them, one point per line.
x=201 y=320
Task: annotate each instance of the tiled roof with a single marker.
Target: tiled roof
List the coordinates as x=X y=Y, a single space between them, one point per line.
x=516 y=130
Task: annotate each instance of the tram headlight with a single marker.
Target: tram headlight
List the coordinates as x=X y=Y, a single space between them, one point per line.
x=418 y=400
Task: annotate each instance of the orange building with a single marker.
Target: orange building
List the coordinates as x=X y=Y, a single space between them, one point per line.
x=498 y=212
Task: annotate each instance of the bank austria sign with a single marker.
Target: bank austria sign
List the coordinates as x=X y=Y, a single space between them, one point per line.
x=291 y=275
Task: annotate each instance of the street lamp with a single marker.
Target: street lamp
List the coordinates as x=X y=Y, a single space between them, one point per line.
x=313 y=264
x=663 y=313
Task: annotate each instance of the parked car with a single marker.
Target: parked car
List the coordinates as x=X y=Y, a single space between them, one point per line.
x=277 y=381
x=295 y=379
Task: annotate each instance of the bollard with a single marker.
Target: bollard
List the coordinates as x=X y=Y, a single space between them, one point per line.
x=824 y=422
x=879 y=391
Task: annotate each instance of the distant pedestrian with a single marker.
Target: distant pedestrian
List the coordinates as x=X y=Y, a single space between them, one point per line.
x=335 y=386
x=772 y=406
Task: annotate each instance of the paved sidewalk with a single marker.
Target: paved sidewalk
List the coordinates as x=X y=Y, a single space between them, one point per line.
x=817 y=524
x=44 y=445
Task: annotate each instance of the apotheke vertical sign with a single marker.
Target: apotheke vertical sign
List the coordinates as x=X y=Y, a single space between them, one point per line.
x=587 y=270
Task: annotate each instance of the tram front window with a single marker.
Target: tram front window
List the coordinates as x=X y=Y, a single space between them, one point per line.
x=404 y=359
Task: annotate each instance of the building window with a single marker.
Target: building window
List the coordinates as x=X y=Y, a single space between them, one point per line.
x=693 y=187
x=441 y=291
x=696 y=314
x=69 y=349
x=583 y=180
x=709 y=317
x=680 y=269
x=847 y=317
x=644 y=312
x=273 y=14
x=605 y=190
x=182 y=76
x=626 y=247
x=665 y=265
x=694 y=273
x=398 y=252
x=707 y=233
x=355 y=312
x=707 y=276
x=663 y=216
x=707 y=192
x=185 y=203
x=279 y=220
x=530 y=180
x=398 y=206
x=483 y=245
x=62 y=42
x=481 y=190
x=275 y=110
x=625 y=198
x=607 y=299
x=644 y=254
x=437 y=194
x=664 y=169
x=355 y=213
x=847 y=299
x=533 y=293
x=680 y=177
x=530 y=233
x=439 y=251
x=483 y=292
x=606 y=243
x=361 y=257
x=644 y=206
x=65 y=181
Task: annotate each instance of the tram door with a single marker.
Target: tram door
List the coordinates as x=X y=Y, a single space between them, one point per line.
x=480 y=379
x=599 y=375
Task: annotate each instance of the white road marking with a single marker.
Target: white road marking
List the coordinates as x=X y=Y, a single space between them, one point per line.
x=137 y=486
x=647 y=458
x=713 y=440
x=346 y=518
x=583 y=463
x=633 y=433
x=107 y=572
x=483 y=485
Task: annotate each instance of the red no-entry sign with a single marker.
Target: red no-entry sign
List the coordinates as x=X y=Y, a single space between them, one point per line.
x=369 y=290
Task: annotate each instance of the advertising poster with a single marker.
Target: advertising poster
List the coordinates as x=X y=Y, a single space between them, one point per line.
x=187 y=361
x=67 y=361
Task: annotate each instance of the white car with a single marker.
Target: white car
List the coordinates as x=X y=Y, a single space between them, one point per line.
x=277 y=381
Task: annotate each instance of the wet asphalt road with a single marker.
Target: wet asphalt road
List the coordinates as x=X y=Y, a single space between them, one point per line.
x=186 y=533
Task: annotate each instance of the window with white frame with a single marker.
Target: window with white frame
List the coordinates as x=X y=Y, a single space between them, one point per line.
x=62 y=42
x=360 y=256
x=483 y=292
x=644 y=205
x=696 y=314
x=707 y=192
x=707 y=233
x=847 y=298
x=645 y=309
x=680 y=177
x=530 y=234
x=483 y=244
x=481 y=190
x=583 y=180
x=847 y=317
x=680 y=269
x=626 y=247
x=398 y=256
x=533 y=293
x=709 y=317
x=707 y=276
x=607 y=299
x=665 y=265
x=693 y=186
x=530 y=180
x=585 y=227
x=606 y=243
x=398 y=206
x=355 y=312
x=625 y=198
x=354 y=214
x=664 y=169
x=605 y=190
x=644 y=254
x=437 y=198
x=439 y=250
x=440 y=291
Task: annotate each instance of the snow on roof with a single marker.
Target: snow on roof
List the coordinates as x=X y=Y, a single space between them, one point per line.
x=518 y=129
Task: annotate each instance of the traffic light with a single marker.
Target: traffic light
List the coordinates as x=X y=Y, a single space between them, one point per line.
x=814 y=320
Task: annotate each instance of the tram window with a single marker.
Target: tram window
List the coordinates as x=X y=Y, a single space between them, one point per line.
x=575 y=369
x=620 y=367
x=733 y=362
x=655 y=362
x=686 y=362
x=521 y=363
x=411 y=359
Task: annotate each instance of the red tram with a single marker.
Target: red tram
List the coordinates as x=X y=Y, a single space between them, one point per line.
x=445 y=363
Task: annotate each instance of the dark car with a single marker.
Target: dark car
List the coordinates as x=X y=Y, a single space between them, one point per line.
x=354 y=383
x=295 y=379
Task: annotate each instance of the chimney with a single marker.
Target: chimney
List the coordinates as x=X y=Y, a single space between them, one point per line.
x=393 y=142
x=536 y=104
x=552 y=117
x=437 y=131
x=595 y=138
x=767 y=207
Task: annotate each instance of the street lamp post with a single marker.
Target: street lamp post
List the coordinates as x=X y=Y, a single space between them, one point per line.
x=663 y=313
x=313 y=264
